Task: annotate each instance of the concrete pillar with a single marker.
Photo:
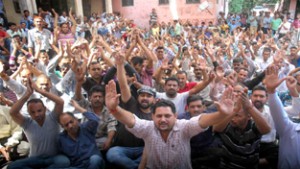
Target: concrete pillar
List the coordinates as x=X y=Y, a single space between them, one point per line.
x=108 y=6
x=30 y=5
x=79 y=8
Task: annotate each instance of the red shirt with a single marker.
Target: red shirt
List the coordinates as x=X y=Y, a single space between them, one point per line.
x=187 y=87
x=3 y=34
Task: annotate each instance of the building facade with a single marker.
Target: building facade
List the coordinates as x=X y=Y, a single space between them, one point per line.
x=14 y=8
x=168 y=10
x=138 y=10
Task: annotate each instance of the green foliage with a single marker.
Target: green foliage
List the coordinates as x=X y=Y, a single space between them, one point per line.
x=236 y=6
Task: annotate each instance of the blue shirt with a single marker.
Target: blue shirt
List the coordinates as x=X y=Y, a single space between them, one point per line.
x=80 y=150
x=289 y=135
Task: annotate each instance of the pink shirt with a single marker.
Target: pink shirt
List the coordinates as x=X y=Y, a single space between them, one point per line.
x=63 y=38
x=146 y=76
x=296 y=23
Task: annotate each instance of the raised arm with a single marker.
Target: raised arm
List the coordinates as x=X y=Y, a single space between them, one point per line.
x=80 y=79
x=201 y=85
x=280 y=117
x=112 y=101
x=124 y=87
x=59 y=103
x=260 y=122
x=74 y=24
x=225 y=109
x=15 y=109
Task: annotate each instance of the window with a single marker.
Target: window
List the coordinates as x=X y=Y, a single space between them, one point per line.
x=127 y=2
x=192 y=1
x=17 y=6
x=162 y=2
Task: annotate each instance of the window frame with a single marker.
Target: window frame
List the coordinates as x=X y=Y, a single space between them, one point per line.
x=189 y=2
x=126 y=3
x=163 y=3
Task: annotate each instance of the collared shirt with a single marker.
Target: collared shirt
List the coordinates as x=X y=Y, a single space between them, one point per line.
x=289 y=135
x=175 y=152
x=45 y=36
x=107 y=122
x=146 y=76
x=80 y=150
x=271 y=136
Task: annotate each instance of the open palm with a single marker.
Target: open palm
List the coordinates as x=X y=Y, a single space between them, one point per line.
x=226 y=103
x=111 y=96
x=271 y=80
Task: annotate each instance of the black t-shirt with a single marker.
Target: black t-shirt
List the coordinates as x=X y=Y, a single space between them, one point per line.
x=123 y=137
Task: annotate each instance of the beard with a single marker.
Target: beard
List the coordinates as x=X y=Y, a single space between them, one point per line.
x=258 y=104
x=144 y=104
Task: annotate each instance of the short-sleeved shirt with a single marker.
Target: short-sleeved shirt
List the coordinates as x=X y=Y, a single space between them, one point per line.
x=276 y=23
x=179 y=100
x=175 y=152
x=187 y=87
x=42 y=139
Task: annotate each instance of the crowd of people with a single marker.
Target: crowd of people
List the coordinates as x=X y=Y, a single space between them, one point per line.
x=100 y=92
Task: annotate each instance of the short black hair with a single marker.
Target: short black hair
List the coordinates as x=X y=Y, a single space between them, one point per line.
x=181 y=72
x=35 y=100
x=164 y=103
x=92 y=63
x=242 y=68
x=260 y=87
x=193 y=98
x=66 y=113
x=266 y=49
x=171 y=79
x=9 y=24
x=160 y=47
x=237 y=60
x=137 y=60
x=96 y=88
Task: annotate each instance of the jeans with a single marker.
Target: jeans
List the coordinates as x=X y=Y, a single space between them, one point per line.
x=95 y=162
x=126 y=157
x=58 y=161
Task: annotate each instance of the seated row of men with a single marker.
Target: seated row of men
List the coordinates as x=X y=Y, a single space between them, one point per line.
x=168 y=143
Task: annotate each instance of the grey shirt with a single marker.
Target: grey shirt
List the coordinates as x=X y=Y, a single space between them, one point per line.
x=42 y=139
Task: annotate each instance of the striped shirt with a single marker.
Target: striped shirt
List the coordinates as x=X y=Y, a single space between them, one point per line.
x=241 y=148
x=64 y=38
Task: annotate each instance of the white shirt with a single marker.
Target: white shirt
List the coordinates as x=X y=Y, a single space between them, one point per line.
x=271 y=136
x=179 y=100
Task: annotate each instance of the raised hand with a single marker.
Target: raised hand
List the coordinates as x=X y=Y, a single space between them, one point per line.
x=245 y=100
x=219 y=73
x=111 y=96
x=226 y=104
x=119 y=58
x=77 y=106
x=164 y=64
x=271 y=80
x=29 y=90
x=80 y=75
x=291 y=82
